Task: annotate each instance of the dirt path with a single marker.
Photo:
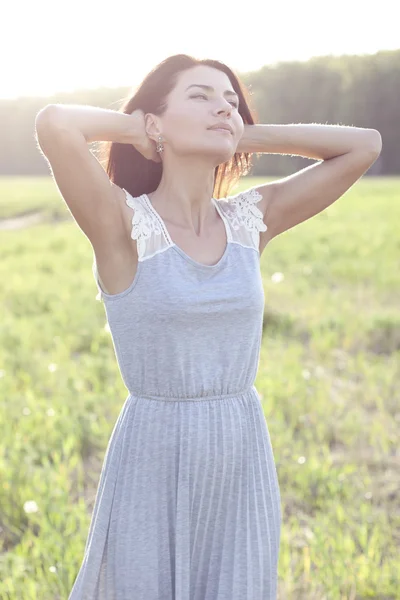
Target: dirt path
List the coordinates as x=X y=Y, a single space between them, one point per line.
x=27 y=220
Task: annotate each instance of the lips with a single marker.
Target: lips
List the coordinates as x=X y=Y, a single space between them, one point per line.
x=224 y=126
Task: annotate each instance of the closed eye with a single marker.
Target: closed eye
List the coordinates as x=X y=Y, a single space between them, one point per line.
x=234 y=104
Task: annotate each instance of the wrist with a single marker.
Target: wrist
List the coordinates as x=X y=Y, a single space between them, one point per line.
x=136 y=129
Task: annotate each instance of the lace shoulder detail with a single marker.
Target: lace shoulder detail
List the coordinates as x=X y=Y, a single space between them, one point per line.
x=245 y=218
x=146 y=228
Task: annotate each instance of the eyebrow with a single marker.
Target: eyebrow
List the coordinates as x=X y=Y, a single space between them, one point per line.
x=209 y=88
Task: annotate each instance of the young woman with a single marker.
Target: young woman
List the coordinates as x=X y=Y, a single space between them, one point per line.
x=188 y=503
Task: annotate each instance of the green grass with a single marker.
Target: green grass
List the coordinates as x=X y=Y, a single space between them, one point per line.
x=329 y=377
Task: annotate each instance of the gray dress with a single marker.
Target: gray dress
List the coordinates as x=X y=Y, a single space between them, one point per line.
x=188 y=501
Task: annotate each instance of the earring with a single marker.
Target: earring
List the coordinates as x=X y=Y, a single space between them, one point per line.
x=160 y=146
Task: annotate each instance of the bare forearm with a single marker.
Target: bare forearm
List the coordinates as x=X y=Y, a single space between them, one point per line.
x=312 y=141
x=95 y=124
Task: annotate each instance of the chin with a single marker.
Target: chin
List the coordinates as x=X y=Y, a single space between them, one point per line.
x=222 y=153
x=216 y=153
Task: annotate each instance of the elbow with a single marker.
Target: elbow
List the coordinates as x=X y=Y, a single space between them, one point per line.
x=47 y=121
x=374 y=142
x=46 y=115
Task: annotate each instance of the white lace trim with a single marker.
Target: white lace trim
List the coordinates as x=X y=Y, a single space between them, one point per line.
x=245 y=221
x=245 y=218
x=146 y=229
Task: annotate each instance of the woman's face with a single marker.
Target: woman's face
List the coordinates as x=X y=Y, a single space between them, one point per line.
x=192 y=110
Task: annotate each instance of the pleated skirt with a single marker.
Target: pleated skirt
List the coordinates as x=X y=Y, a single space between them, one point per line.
x=188 y=505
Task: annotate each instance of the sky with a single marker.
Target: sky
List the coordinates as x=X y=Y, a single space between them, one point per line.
x=48 y=47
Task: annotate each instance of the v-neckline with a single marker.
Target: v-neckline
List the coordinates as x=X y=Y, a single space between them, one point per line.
x=179 y=249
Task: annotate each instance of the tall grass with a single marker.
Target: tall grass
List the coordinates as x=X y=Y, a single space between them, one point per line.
x=329 y=378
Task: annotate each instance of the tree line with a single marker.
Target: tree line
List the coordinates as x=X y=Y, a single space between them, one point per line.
x=361 y=91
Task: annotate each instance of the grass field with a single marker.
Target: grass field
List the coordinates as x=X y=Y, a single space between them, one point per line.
x=329 y=378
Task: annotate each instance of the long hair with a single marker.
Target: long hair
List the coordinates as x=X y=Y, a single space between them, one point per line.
x=129 y=169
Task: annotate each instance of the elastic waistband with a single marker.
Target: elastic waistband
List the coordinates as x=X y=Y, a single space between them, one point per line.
x=191 y=398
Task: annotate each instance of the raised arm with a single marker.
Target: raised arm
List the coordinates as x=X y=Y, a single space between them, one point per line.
x=97 y=205
x=346 y=154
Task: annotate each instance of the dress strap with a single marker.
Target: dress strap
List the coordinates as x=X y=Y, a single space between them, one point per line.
x=146 y=229
x=244 y=217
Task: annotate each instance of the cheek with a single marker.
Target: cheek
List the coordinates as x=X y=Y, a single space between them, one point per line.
x=182 y=126
x=240 y=126
x=186 y=132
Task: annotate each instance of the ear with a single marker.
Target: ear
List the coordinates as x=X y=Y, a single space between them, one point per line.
x=152 y=126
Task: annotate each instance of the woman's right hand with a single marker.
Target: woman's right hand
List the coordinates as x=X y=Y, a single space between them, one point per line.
x=142 y=143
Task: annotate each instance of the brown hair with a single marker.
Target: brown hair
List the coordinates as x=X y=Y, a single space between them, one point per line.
x=129 y=169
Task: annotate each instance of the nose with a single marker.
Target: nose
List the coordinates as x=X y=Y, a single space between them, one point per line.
x=224 y=107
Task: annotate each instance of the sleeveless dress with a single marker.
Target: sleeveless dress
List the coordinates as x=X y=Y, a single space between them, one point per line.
x=188 y=501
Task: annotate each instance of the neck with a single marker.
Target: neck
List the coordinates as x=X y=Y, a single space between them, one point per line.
x=184 y=195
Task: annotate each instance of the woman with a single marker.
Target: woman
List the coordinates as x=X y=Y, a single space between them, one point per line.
x=188 y=503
